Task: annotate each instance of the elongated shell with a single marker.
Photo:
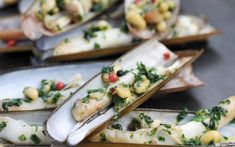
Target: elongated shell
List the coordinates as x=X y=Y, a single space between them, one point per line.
x=151 y=54
x=147 y=33
x=34 y=28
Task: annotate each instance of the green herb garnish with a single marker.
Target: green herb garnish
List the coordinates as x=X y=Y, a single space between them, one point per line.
x=22 y=138
x=117 y=126
x=97 y=46
x=34 y=138
x=10 y=103
x=3 y=124
x=146 y=118
x=161 y=138
x=103 y=137
x=85 y=100
x=182 y=115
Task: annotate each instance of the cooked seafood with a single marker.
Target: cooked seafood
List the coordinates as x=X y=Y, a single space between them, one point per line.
x=19 y=132
x=51 y=17
x=201 y=130
x=99 y=35
x=103 y=35
x=147 y=18
x=50 y=94
x=123 y=87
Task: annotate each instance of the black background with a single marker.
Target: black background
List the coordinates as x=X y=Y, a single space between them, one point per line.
x=216 y=67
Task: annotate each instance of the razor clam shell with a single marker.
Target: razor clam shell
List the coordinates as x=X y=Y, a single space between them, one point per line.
x=66 y=72
x=45 y=45
x=167 y=116
x=24 y=5
x=29 y=17
x=148 y=53
x=147 y=34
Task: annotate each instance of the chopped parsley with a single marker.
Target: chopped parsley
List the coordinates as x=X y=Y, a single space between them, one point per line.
x=103 y=137
x=167 y=131
x=168 y=126
x=201 y=115
x=161 y=138
x=60 y=4
x=124 y=28
x=85 y=100
x=152 y=132
x=3 y=124
x=97 y=46
x=66 y=40
x=52 y=97
x=22 y=138
x=117 y=126
x=106 y=70
x=182 y=115
x=149 y=73
x=34 y=138
x=191 y=142
x=146 y=118
x=91 y=32
x=215 y=117
x=11 y=102
x=119 y=102
x=101 y=90
x=227 y=101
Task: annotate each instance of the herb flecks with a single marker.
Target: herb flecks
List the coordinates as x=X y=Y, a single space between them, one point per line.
x=10 y=103
x=117 y=126
x=103 y=137
x=35 y=139
x=182 y=115
x=3 y=124
x=22 y=138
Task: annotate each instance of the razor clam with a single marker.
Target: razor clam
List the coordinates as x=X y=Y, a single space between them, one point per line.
x=146 y=119
x=160 y=132
x=36 y=22
x=134 y=12
x=48 y=99
x=149 y=53
x=23 y=133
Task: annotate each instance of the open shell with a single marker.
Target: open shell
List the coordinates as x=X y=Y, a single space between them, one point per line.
x=34 y=28
x=150 y=53
x=46 y=46
x=147 y=33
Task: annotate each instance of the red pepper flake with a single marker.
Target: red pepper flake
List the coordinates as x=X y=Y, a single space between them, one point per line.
x=166 y=56
x=59 y=85
x=11 y=43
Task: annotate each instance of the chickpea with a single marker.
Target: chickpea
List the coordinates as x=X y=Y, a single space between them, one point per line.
x=46 y=88
x=164 y=7
x=211 y=136
x=161 y=27
x=56 y=22
x=105 y=77
x=123 y=91
x=47 y=5
x=136 y=20
x=141 y=86
x=171 y=5
x=31 y=93
x=153 y=17
x=167 y=15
